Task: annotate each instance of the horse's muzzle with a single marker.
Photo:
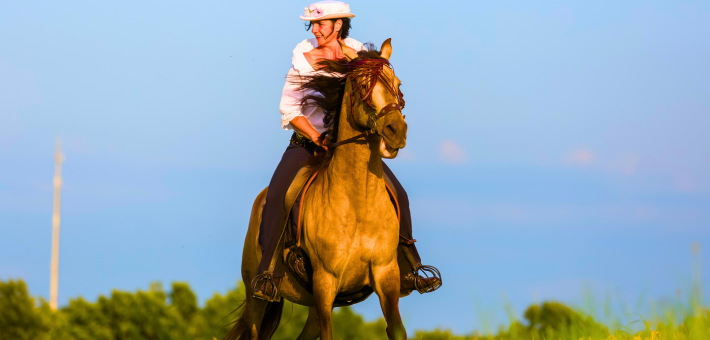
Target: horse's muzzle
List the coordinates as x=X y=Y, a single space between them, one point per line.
x=394 y=131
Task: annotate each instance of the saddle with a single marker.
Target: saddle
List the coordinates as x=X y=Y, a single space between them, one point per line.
x=297 y=263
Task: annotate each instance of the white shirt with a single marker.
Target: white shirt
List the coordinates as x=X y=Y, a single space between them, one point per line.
x=290 y=106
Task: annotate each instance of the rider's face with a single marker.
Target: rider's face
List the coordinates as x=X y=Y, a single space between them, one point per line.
x=325 y=31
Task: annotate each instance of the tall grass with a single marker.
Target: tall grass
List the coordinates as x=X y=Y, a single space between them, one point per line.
x=678 y=318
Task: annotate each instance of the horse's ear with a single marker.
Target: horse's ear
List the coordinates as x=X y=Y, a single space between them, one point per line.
x=349 y=52
x=386 y=49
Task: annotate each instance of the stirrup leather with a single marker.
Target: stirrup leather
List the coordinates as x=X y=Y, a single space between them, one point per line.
x=427 y=272
x=267 y=280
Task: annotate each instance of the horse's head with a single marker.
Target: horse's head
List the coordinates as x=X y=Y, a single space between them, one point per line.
x=373 y=81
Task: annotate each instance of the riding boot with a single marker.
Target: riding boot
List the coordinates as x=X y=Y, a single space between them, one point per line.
x=421 y=278
x=267 y=288
x=266 y=285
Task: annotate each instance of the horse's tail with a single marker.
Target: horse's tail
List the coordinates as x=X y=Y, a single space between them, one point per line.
x=269 y=323
x=239 y=330
x=272 y=318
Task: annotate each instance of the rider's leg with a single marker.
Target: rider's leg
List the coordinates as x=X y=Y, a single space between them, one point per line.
x=432 y=281
x=273 y=215
x=405 y=218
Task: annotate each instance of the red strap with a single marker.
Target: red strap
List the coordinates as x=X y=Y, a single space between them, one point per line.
x=395 y=199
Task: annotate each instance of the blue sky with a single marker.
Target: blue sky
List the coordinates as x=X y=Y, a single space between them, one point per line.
x=553 y=145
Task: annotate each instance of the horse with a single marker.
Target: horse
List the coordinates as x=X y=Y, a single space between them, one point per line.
x=350 y=229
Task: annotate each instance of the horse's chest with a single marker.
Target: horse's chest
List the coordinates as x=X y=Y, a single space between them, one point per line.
x=351 y=224
x=355 y=237
x=347 y=231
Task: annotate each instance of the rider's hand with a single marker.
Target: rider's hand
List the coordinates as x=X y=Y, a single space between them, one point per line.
x=316 y=140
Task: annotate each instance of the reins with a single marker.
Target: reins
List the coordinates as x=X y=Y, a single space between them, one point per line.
x=373 y=121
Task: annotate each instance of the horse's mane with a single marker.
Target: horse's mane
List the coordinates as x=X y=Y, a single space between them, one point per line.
x=329 y=87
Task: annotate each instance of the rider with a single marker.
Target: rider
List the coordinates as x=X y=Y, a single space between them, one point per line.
x=329 y=21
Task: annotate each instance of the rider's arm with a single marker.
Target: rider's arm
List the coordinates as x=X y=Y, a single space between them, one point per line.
x=304 y=128
x=291 y=111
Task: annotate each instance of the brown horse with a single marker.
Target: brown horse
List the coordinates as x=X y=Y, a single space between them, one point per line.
x=350 y=230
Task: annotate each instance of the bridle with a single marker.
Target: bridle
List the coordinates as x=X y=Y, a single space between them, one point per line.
x=363 y=76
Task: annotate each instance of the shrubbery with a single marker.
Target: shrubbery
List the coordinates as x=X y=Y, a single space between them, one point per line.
x=152 y=314
x=155 y=314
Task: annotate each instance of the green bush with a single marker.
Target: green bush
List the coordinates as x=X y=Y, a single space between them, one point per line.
x=156 y=315
x=19 y=316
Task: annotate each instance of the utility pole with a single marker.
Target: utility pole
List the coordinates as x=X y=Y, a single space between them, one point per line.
x=54 y=271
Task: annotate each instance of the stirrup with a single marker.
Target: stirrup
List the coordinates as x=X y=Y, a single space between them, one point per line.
x=427 y=272
x=267 y=281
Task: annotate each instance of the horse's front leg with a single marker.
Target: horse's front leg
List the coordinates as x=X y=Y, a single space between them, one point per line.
x=386 y=281
x=324 y=293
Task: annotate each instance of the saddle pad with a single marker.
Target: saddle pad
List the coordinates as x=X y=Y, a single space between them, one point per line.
x=291 y=195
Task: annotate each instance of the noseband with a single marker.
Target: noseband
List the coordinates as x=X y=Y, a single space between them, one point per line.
x=363 y=76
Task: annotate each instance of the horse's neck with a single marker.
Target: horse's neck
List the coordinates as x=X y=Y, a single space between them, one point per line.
x=357 y=164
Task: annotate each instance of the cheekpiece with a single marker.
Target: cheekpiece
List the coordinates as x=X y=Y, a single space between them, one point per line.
x=327 y=10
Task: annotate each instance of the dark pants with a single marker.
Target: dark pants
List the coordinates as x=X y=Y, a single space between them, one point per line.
x=274 y=215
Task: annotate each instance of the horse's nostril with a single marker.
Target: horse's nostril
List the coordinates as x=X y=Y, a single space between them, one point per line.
x=390 y=131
